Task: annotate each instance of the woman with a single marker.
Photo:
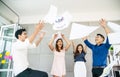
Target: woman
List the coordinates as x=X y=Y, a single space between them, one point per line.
x=79 y=59
x=58 y=67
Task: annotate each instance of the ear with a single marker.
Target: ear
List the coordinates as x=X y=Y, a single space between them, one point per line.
x=19 y=36
x=102 y=40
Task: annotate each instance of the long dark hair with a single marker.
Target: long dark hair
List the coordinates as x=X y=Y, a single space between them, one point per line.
x=76 y=52
x=56 y=46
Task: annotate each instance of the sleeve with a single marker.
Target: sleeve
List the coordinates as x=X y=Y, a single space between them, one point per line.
x=107 y=44
x=30 y=45
x=88 y=44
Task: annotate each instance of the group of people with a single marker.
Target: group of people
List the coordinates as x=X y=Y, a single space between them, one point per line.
x=23 y=43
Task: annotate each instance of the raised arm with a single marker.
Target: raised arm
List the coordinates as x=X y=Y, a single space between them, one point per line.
x=85 y=49
x=50 y=44
x=73 y=45
x=103 y=23
x=36 y=31
x=67 y=41
x=87 y=43
x=40 y=38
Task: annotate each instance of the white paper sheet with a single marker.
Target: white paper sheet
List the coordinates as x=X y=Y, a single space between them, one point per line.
x=59 y=22
x=116 y=49
x=114 y=38
x=79 y=31
x=106 y=70
x=62 y=22
x=114 y=27
x=51 y=16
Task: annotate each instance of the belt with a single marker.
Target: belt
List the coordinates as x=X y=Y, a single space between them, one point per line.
x=99 y=66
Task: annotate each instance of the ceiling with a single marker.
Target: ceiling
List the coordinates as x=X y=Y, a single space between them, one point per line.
x=31 y=11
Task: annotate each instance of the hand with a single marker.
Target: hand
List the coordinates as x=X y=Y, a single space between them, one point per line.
x=55 y=36
x=103 y=23
x=40 y=25
x=62 y=35
x=84 y=38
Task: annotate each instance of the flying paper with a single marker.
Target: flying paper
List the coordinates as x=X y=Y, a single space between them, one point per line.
x=114 y=27
x=106 y=70
x=51 y=16
x=114 y=38
x=116 y=48
x=62 y=22
x=80 y=31
x=59 y=22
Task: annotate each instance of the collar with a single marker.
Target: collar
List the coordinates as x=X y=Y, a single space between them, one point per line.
x=99 y=45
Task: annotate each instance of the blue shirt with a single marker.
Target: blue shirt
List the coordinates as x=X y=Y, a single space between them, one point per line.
x=80 y=57
x=99 y=52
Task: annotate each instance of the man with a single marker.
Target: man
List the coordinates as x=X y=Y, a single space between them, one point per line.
x=99 y=51
x=20 y=51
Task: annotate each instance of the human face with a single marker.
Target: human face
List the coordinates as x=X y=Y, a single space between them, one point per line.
x=98 y=39
x=60 y=43
x=80 y=48
x=23 y=36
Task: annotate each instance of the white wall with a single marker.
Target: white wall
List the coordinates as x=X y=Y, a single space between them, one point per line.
x=41 y=58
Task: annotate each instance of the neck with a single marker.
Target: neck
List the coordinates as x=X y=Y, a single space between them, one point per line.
x=80 y=51
x=99 y=43
x=59 y=48
x=21 y=40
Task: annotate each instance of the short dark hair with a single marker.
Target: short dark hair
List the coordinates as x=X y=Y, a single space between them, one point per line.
x=101 y=36
x=19 y=32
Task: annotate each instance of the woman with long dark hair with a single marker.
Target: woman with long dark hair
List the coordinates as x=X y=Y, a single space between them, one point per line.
x=58 y=67
x=79 y=59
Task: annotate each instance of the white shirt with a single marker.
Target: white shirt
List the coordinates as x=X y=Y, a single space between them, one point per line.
x=19 y=53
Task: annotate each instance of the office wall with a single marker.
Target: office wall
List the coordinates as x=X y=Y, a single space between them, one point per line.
x=41 y=58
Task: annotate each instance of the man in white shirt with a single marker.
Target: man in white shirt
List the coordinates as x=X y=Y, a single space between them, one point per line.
x=20 y=51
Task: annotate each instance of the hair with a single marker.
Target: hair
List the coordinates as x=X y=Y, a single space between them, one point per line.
x=101 y=36
x=56 y=46
x=77 y=52
x=19 y=32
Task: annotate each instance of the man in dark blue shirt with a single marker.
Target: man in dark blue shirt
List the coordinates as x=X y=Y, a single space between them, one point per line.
x=99 y=51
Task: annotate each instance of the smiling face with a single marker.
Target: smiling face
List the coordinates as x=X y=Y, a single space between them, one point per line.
x=99 y=39
x=23 y=36
x=59 y=44
x=80 y=49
